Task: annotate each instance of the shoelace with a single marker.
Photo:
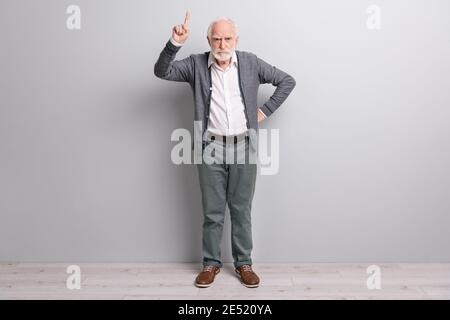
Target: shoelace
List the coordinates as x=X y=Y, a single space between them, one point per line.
x=208 y=268
x=247 y=267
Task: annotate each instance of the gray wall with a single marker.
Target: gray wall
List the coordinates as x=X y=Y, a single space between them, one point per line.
x=85 y=170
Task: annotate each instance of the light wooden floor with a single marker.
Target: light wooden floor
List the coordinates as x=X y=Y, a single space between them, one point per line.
x=175 y=281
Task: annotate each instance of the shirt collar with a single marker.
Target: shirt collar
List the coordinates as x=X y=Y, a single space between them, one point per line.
x=211 y=59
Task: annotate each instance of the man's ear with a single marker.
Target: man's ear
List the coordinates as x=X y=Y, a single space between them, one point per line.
x=237 y=39
x=208 y=41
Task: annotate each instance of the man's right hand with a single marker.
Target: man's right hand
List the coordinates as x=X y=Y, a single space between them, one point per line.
x=180 y=33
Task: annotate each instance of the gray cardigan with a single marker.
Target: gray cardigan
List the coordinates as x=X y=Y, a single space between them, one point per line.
x=252 y=71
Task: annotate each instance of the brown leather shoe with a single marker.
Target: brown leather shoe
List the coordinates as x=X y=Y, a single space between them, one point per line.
x=206 y=277
x=248 y=276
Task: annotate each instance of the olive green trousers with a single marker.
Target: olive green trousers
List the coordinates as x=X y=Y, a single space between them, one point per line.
x=221 y=183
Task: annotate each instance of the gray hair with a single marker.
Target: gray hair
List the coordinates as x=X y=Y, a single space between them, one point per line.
x=208 y=34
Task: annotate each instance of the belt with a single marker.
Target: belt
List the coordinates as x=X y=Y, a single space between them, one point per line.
x=228 y=139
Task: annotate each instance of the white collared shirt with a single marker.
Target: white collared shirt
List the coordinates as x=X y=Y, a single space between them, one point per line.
x=227 y=110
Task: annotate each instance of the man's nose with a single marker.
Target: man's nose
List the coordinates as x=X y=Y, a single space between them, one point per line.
x=222 y=43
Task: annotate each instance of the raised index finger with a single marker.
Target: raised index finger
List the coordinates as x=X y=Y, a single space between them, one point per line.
x=187 y=18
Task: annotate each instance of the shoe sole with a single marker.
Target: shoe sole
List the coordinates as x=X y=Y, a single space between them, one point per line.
x=198 y=285
x=203 y=285
x=244 y=284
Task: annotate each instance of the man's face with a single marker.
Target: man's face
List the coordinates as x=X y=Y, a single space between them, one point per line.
x=223 y=40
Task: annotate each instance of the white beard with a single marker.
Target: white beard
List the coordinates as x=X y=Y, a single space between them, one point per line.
x=223 y=56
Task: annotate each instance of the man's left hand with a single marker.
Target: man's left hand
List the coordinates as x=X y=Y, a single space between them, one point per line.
x=261 y=115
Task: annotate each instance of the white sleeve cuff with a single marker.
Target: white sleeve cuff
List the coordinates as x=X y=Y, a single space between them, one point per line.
x=175 y=43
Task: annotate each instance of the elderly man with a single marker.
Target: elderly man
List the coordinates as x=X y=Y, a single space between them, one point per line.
x=225 y=84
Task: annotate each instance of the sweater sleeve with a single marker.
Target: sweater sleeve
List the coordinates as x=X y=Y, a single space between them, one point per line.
x=284 y=82
x=167 y=68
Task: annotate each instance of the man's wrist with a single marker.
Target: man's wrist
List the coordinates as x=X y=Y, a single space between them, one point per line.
x=262 y=113
x=175 y=43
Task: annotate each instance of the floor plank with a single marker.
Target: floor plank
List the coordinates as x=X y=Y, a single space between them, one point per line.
x=175 y=281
